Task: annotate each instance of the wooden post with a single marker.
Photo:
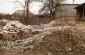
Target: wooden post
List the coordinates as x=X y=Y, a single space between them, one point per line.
x=84 y=12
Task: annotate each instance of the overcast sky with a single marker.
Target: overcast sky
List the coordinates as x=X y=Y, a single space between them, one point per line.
x=8 y=6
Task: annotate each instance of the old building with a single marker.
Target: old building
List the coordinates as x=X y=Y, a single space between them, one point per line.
x=63 y=10
x=66 y=10
x=80 y=12
x=33 y=19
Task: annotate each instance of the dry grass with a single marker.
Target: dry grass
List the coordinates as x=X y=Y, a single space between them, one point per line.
x=70 y=41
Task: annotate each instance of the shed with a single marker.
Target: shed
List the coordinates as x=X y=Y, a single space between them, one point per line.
x=66 y=10
x=80 y=12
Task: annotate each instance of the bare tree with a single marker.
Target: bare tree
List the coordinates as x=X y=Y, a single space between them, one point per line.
x=73 y=1
x=27 y=11
x=53 y=4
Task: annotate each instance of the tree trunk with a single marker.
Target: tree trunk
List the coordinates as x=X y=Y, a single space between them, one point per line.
x=26 y=18
x=84 y=13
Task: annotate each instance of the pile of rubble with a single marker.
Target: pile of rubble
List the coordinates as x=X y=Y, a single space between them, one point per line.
x=14 y=30
x=53 y=40
x=64 y=40
x=26 y=43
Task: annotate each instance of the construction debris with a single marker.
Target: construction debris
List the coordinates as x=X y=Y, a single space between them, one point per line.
x=14 y=30
x=52 y=41
x=45 y=40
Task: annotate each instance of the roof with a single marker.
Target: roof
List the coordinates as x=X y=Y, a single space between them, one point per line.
x=75 y=5
x=80 y=6
x=69 y=4
x=20 y=12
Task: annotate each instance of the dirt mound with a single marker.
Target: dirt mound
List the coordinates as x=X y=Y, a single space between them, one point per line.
x=70 y=41
x=15 y=30
x=62 y=40
x=61 y=21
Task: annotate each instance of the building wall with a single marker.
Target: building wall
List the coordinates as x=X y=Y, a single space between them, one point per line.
x=44 y=20
x=39 y=20
x=66 y=10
